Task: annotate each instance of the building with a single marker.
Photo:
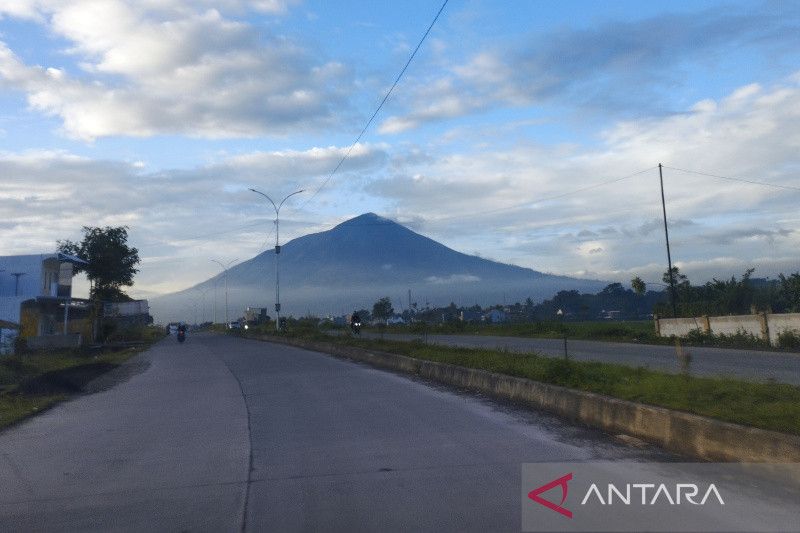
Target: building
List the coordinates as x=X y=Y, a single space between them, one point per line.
x=36 y=294
x=256 y=315
x=495 y=316
x=128 y=314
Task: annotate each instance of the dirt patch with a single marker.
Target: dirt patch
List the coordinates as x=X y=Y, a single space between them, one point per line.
x=65 y=381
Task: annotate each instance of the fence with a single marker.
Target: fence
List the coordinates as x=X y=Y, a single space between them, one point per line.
x=767 y=326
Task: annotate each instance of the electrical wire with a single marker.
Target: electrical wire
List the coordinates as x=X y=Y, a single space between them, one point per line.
x=380 y=106
x=742 y=180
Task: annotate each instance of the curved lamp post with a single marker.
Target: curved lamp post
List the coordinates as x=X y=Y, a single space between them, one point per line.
x=277 y=253
x=225 y=267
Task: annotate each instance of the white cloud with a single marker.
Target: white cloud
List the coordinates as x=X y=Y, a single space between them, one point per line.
x=178 y=218
x=502 y=194
x=167 y=67
x=615 y=68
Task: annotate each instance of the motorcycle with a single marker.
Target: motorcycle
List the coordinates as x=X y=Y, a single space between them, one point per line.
x=181 y=335
x=356 y=327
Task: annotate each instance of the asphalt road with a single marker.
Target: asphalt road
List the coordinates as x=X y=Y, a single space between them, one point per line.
x=754 y=365
x=226 y=434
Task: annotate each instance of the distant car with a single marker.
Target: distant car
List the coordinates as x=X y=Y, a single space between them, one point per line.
x=172 y=328
x=234 y=325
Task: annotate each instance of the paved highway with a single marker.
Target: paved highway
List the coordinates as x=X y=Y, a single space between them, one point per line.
x=746 y=364
x=226 y=434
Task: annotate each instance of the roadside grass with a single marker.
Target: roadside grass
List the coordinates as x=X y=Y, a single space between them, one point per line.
x=32 y=382
x=629 y=331
x=637 y=331
x=771 y=406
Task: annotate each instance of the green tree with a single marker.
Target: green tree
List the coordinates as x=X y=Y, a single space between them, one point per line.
x=112 y=263
x=382 y=309
x=681 y=281
x=790 y=291
x=638 y=286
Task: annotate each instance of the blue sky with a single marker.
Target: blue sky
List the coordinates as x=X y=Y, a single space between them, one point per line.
x=160 y=114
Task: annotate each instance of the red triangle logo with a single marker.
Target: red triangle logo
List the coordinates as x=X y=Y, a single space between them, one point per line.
x=562 y=482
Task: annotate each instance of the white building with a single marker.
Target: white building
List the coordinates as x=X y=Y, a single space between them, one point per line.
x=45 y=278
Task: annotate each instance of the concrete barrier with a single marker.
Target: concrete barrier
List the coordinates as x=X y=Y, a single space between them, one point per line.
x=765 y=326
x=676 y=431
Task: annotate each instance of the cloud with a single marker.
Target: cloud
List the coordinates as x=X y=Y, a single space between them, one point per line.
x=178 y=218
x=618 y=67
x=519 y=200
x=149 y=68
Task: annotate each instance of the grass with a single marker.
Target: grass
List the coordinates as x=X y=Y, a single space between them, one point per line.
x=613 y=331
x=32 y=382
x=770 y=406
x=631 y=331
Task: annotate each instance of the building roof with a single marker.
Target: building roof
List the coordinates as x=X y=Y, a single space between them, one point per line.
x=71 y=259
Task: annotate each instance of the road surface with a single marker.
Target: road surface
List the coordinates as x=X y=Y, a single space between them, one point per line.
x=227 y=434
x=753 y=365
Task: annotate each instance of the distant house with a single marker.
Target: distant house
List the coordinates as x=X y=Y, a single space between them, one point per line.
x=470 y=316
x=36 y=293
x=495 y=316
x=610 y=315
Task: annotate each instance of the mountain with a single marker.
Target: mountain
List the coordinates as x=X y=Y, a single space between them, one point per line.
x=359 y=261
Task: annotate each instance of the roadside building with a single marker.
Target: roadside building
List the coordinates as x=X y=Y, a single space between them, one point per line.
x=128 y=314
x=470 y=315
x=36 y=294
x=256 y=315
x=495 y=316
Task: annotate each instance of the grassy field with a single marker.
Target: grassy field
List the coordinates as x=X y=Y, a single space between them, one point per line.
x=763 y=405
x=32 y=382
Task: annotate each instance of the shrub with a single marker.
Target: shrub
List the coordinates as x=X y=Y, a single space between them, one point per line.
x=789 y=338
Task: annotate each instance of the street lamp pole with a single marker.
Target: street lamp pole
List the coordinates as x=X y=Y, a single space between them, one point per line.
x=277 y=253
x=225 y=267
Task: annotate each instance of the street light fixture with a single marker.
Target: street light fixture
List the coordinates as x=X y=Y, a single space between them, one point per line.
x=225 y=267
x=277 y=253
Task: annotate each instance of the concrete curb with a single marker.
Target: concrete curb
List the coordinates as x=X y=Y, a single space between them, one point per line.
x=676 y=431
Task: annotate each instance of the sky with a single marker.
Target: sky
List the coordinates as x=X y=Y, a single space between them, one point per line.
x=525 y=132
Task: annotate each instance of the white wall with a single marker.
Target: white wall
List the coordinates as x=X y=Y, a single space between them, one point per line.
x=733 y=324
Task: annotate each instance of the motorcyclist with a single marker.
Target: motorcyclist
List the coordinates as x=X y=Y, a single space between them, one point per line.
x=355 y=323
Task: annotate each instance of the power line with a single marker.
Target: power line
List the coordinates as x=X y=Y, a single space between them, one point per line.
x=380 y=106
x=742 y=180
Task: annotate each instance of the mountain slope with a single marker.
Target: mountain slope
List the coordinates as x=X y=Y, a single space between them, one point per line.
x=366 y=258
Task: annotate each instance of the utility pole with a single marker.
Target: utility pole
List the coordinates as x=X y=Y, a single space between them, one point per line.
x=666 y=235
x=277 y=253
